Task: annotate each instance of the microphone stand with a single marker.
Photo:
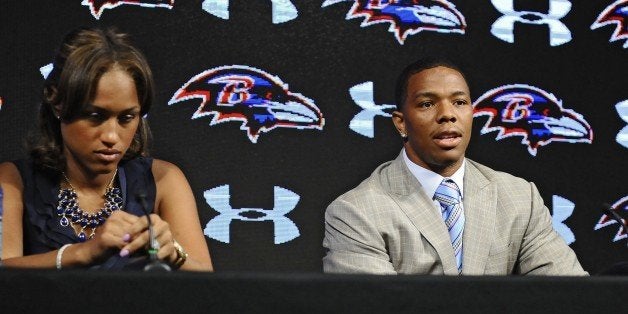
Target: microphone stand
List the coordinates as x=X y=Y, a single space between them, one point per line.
x=154 y=263
x=611 y=212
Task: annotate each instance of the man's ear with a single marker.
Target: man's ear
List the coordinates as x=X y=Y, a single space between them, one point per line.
x=398 y=121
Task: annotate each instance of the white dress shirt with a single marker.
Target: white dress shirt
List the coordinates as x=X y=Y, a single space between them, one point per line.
x=430 y=180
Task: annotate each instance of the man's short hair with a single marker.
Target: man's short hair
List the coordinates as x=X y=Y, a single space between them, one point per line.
x=422 y=64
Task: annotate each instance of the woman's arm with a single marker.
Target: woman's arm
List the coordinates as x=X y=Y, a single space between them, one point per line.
x=12 y=229
x=175 y=204
x=110 y=235
x=12 y=189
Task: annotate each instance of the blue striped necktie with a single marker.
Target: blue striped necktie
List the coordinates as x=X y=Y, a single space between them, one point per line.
x=448 y=195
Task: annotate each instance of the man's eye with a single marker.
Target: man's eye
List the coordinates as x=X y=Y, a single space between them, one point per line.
x=426 y=104
x=460 y=102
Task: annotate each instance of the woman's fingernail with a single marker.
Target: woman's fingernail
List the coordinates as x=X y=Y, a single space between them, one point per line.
x=126 y=237
x=124 y=252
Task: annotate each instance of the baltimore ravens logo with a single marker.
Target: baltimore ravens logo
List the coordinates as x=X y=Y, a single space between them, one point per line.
x=259 y=100
x=532 y=113
x=619 y=207
x=615 y=13
x=98 y=6
x=407 y=17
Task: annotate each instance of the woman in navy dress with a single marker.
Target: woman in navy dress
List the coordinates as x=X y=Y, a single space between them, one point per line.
x=79 y=199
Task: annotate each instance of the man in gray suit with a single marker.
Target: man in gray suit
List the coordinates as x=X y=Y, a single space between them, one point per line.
x=433 y=211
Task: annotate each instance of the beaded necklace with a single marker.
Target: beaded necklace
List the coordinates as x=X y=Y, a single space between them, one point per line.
x=71 y=214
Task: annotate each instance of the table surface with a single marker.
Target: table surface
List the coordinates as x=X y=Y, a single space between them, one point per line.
x=32 y=291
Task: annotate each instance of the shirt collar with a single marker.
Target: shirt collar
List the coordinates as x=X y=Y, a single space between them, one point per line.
x=430 y=180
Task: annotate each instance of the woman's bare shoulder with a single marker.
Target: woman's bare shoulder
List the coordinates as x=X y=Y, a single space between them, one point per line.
x=165 y=170
x=9 y=173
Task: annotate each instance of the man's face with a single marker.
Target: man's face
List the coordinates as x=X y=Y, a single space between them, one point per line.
x=437 y=117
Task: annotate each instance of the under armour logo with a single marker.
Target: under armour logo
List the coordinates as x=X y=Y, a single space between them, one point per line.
x=562 y=209
x=622 y=110
x=363 y=123
x=218 y=227
x=283 y=10
x=45 y=70
x=503 y=27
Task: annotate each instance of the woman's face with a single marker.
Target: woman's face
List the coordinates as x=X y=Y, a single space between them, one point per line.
x=97 y=139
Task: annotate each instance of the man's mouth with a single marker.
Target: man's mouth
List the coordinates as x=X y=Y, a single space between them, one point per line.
x=448 y=139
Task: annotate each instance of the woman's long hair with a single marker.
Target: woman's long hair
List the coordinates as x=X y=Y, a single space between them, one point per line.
x=84 y=56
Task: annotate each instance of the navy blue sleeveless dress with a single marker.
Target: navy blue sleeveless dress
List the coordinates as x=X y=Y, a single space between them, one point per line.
x=41 y=227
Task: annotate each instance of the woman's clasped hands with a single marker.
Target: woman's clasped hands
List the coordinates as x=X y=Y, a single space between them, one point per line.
x=126 y=234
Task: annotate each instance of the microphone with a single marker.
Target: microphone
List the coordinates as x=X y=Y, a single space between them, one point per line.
x=611 y=212
x=154 y=263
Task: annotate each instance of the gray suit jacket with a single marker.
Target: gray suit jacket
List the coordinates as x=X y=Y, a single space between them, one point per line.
x=388 y=225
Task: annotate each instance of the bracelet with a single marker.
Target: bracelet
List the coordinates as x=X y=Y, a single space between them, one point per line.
x=182 y=256
x=60 y=255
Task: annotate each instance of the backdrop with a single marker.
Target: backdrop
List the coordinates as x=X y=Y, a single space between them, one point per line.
x=273 y=108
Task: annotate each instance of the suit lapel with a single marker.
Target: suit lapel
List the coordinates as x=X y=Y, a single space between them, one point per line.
x=479 y=210
x=422 y=212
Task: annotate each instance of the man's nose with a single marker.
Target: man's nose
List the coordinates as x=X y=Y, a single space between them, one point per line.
x=446 y=112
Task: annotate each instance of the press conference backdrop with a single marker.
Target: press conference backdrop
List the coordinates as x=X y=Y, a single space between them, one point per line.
x=273 y=108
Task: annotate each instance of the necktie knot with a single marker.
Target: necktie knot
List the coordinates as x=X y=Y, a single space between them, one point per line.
x=447 y=193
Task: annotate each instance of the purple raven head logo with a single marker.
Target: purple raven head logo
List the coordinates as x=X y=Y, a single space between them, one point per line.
x=619 y=206
x=532 y=113
x=98 y=6
x=259 y=100
x=407 y=17
x=615 y=13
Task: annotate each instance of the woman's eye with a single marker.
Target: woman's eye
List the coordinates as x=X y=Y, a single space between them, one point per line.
x=127 y=118
x=94 y=116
